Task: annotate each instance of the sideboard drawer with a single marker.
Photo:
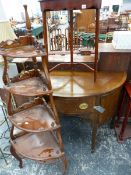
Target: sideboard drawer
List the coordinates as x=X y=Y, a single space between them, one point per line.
x=73 y=106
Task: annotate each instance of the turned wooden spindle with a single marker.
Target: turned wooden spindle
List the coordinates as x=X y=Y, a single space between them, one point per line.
x=27 y=19
x=96 y=43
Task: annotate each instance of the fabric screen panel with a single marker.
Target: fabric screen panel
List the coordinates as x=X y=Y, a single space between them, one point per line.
x=6 y=32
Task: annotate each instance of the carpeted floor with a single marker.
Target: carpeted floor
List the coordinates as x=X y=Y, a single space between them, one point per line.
x=110 y=157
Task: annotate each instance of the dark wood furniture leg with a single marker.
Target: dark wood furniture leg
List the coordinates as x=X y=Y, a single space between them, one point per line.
x=94 y=125
x=122 y=129
x=125 y=120
x=120 y=109
x=94 y=133
x=65 y=163
x=13 y=152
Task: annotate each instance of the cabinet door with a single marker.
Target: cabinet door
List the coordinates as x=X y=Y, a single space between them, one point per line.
x=110 y=103
x=114 y=61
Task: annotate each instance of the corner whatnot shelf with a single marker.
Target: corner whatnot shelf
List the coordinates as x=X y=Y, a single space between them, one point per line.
x=37 y=119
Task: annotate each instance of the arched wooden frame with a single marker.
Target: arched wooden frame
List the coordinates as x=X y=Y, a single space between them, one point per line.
x=72 y=63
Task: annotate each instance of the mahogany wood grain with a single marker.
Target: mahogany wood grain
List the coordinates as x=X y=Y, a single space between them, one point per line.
x=70 y=90
x=36 y=118
x=5 y=76
x=22 y=52
x=29 y=87
x=44 y=65
x=114 y=60
x=69 y=5
x=128 y=89
x=21 y=41
x=96 y=43
x=37 y=146
x=80 y=84
x=76 y=93
x=71 y=36
x=75 y=4
x=44 y=31
x=28 y=23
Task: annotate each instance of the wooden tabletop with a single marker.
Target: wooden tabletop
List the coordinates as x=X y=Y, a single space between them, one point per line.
x=79 y=84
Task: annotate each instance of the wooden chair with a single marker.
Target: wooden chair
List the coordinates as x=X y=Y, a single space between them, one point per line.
x=123 y=131
x=56 y=40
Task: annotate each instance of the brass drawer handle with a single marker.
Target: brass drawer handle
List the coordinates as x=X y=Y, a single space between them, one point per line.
x=83 y=106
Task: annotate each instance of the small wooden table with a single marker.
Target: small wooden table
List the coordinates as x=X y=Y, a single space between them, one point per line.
x=75 y=93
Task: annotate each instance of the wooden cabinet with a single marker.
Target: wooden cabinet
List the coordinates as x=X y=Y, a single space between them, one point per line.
x=114 y=60
x=109 y=101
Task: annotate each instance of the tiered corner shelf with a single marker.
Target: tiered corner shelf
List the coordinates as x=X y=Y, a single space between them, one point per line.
x=31 y=83
x=40 y=139
x=38 y=146
x=28 y=51
x=34 y=118
x=38 y=134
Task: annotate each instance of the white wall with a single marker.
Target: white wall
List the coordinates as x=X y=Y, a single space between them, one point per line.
x=3 y=16
x=15 y=8
x=126 y=5
x=112 y=2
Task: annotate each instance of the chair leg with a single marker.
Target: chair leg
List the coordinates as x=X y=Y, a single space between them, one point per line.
x=65 y=164
x=13 y=152
x=125 y=121
x=120 y=110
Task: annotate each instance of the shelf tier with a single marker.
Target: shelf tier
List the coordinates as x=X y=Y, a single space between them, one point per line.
x=40 y=146
x=22 y=52
x=33 y=86
x=37 y=118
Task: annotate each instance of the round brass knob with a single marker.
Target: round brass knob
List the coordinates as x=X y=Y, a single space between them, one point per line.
x=83 y=106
